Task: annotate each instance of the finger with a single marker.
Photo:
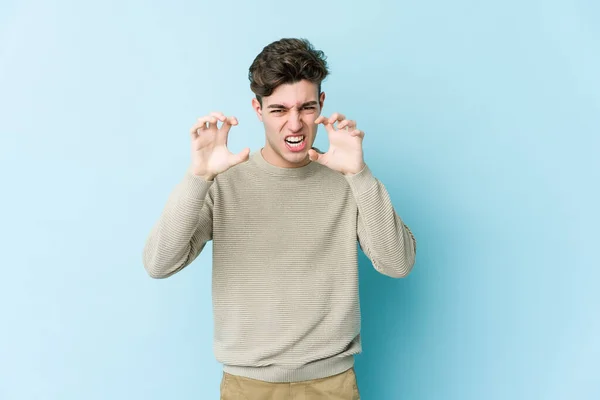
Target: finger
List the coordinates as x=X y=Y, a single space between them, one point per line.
x=225 y=120
x=198 y=126
x=224 y=130
x=230 y=121
x=348 y=124
x=357 y=133
x=336 y=117
x=194 y=131
x=325 y=121
x=219 y=115
x=313 y=155
x=320 y=119
x=200 y=123
x=242 y=156
x=212 y=122
x=329 y=127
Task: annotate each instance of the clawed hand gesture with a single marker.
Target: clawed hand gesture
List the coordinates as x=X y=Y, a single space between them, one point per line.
x=345 y=152
x=210 y=155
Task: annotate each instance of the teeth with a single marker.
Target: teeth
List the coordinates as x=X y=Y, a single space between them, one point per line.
x=294 y=139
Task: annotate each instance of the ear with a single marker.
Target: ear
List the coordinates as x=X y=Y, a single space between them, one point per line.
x=257 y=108
x=321 y=100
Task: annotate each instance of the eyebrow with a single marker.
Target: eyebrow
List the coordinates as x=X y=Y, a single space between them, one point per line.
x=308 y=103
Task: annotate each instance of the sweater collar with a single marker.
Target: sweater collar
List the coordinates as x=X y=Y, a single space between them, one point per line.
x=304 y=171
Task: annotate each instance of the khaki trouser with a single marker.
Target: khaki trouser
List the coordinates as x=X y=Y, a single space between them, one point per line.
x=338 y=387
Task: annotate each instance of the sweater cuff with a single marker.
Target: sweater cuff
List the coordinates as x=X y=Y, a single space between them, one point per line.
x=362 y=181
x=195 y=186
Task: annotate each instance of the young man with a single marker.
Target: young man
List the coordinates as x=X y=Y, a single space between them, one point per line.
x=284 y=222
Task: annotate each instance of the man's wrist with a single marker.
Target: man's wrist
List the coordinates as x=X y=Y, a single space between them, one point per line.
x=207 y=178
x=200 y=174
x=358 y=171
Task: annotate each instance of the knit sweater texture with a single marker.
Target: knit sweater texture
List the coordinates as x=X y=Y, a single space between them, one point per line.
x=284 y=269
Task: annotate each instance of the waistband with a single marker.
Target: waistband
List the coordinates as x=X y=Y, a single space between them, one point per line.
x=274 y=373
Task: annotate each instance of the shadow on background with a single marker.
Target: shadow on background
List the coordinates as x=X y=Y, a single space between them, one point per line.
x=401 y=318
x=389 y=331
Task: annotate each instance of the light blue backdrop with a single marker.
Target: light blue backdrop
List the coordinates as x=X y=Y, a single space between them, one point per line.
x=481 y=118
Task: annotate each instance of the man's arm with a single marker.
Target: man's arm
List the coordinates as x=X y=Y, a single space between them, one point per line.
x=183 y=229
x=185 y=225
x=382 y=235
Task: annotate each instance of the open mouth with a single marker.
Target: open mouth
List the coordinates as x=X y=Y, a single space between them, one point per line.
x=295 y=142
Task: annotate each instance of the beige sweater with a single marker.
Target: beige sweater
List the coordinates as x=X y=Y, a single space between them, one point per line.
x=285 y=274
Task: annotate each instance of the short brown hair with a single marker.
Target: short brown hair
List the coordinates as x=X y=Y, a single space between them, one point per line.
x=286 y=61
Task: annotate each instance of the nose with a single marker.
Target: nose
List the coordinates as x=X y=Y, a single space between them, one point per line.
x=294 y=122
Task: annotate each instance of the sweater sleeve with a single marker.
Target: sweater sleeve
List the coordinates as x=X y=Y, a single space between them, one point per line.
x=183 y=228
x=382 y=235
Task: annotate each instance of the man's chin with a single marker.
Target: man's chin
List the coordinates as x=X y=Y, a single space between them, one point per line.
x=296 y=157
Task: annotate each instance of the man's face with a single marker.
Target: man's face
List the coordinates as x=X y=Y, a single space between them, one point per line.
x=288 y=115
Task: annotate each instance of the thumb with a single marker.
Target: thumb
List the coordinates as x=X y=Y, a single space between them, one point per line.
x=313 y=155
x=242 y=156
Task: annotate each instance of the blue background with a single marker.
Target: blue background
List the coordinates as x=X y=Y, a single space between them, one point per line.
x=481 y=118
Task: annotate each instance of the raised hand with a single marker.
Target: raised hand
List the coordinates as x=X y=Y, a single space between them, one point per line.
x=345 y=153
x=210 y=155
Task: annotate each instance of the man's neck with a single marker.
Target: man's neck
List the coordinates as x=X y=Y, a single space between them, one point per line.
x=272 y=158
